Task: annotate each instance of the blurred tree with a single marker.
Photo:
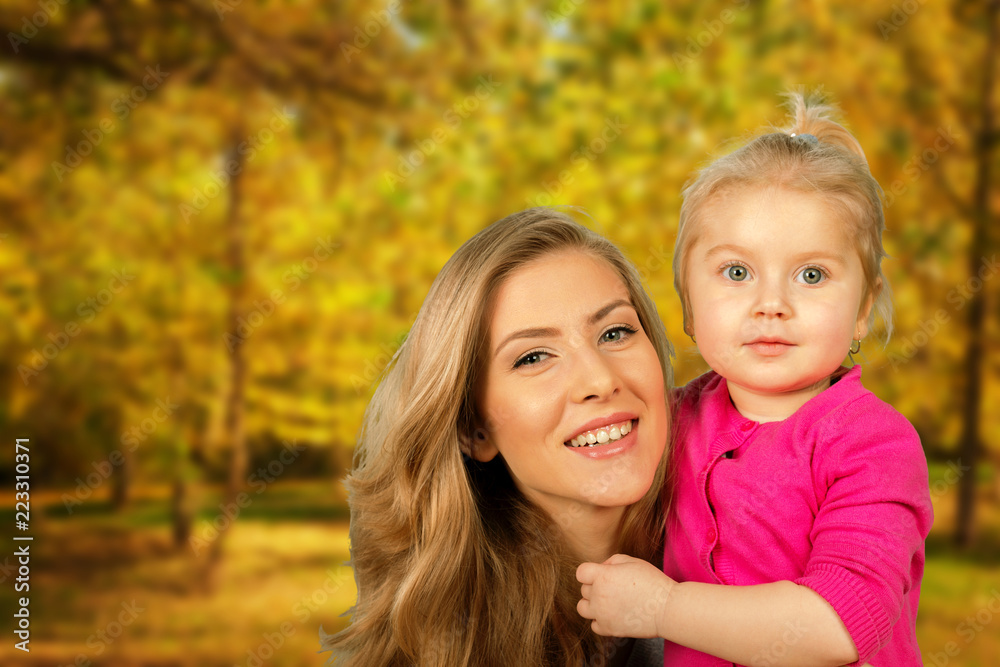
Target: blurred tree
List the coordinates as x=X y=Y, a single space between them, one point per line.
x=980 y=214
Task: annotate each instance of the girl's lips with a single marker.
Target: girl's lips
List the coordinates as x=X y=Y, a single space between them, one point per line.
x=770 y=348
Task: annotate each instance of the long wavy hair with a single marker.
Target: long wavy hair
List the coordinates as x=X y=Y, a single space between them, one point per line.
x=454 y=566
x=812 y=154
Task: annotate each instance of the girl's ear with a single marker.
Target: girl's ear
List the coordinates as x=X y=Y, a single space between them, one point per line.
x=866 y=309
x=479 y=446
x=688 y=320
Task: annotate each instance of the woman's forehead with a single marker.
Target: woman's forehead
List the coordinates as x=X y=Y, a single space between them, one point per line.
x=566 y=286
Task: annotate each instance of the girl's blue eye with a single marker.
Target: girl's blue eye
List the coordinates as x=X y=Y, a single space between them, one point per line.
x=530 y=359
x=812 y=276
x=618 y=333
x=737 y=273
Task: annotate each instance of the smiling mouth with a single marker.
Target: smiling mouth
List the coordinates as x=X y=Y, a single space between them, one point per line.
x=603 y=435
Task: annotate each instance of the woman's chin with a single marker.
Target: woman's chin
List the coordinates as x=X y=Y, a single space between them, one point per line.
x=623 y=497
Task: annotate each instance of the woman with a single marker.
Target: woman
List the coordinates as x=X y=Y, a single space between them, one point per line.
x=520 y=430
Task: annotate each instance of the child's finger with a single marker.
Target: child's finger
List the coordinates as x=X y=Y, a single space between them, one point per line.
x=596 y=627
x=617 y=559
x=585 y=591
x=587 y=572
x=583 y=608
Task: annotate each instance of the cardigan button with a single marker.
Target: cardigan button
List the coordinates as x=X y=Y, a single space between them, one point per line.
x=746 y=426
x=710 y=535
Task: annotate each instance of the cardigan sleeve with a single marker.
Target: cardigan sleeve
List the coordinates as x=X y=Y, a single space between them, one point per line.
x=874 y=513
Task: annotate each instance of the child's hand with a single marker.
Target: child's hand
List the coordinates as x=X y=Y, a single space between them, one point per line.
x=623 y=596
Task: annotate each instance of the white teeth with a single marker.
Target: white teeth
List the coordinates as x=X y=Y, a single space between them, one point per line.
x=602 y=435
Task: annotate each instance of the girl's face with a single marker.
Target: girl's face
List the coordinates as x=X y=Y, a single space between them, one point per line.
x=775 y=287
x=573 y=394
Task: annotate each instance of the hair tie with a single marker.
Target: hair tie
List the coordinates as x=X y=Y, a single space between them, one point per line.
x=808 y=138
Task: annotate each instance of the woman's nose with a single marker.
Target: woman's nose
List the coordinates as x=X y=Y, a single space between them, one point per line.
x=595 y=377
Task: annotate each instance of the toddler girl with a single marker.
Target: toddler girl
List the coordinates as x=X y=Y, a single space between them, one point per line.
x=801 y=501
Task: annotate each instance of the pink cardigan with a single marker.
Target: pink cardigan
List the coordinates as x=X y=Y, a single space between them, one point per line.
x=835 y=497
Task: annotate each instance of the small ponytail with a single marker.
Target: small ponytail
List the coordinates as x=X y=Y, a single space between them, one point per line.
x=809 y=114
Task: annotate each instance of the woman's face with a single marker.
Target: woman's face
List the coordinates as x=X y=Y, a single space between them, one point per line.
x=573 y=395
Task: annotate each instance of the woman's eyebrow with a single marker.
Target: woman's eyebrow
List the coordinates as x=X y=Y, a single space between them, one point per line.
x=527 y=333
x=541 y=332
x=596 y=317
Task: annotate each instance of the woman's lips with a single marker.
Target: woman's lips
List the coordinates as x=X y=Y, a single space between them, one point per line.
x=601 y=435
x=610 y=448
x=603 y=423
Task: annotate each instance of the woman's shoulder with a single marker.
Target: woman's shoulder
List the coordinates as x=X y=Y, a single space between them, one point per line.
x=696 y=388
x=704 y=397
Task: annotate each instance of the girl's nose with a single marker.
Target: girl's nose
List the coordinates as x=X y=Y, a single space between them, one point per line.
x=772 y=300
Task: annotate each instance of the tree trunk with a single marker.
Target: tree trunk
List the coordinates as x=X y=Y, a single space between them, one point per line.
x=235 y=430
x=181 y=512
x=122 y=477
x=121 y=480
x=970 y=447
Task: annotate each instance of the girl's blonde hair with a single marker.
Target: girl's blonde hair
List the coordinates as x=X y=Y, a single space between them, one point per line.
x=813 y=154
x=453 y=565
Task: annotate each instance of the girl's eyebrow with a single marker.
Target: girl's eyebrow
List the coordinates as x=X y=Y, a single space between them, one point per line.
x=541 y=332
x=726 y=247
x=823 y=255
x=817 y=254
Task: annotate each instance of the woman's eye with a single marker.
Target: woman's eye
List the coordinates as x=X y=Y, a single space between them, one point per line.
x=812 y=276
x=737 y=273
x=617 y=334
x=531 y=358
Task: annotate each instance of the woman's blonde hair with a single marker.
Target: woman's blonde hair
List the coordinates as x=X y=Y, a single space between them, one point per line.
x=813 y=154
x=453 y=565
